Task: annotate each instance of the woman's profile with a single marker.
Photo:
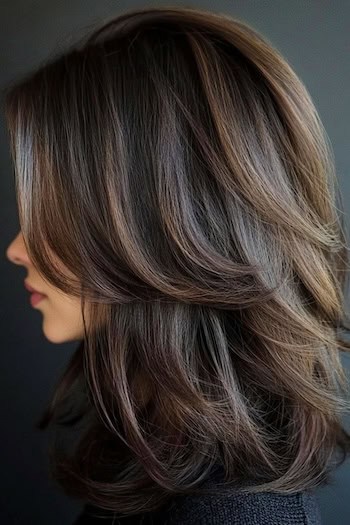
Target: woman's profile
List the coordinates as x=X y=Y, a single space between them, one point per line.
x=180 y=219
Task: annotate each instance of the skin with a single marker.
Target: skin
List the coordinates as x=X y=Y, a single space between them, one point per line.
x=62 y=318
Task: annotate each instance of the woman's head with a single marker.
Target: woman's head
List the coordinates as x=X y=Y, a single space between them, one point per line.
x=173 y=162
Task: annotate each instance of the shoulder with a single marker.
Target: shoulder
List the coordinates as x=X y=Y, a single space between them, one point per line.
x=232 y=507
x=238 y=508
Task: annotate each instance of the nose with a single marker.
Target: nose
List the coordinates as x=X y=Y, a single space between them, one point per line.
x=17 y=252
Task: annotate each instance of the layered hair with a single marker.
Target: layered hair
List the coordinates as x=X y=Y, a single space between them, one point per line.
x=176 y=165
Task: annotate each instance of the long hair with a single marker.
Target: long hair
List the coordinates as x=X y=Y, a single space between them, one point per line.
x=174 y=163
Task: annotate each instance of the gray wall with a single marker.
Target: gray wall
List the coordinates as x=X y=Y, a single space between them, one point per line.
x=314 y=37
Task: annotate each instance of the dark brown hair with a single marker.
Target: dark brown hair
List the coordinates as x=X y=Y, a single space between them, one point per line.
x=176 y=165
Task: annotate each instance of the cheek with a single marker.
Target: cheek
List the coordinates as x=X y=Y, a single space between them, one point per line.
x=70 y=311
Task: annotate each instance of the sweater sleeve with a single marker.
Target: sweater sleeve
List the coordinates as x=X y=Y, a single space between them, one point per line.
x=300 y=508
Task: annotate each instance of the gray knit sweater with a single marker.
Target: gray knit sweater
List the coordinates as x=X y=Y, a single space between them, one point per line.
x=236 y=508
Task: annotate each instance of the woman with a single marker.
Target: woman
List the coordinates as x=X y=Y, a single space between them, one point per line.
x=177 y=202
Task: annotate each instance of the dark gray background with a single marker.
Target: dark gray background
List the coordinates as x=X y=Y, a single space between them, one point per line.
x=314 y=37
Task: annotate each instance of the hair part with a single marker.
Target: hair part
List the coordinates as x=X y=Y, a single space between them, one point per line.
x=174 y=163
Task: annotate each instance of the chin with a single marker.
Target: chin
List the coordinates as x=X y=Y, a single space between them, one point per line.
x=55 y=332
x=54 y=336
x=59 y=338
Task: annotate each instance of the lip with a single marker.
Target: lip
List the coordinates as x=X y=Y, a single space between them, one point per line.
x=31 y=289
x=36 y=298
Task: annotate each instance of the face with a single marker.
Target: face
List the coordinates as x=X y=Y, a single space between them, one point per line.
x=61 y=313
